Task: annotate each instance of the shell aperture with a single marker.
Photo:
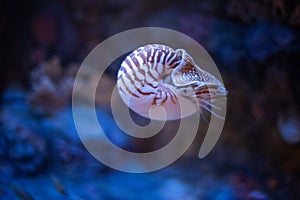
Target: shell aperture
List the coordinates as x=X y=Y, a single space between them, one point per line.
x=156 y=78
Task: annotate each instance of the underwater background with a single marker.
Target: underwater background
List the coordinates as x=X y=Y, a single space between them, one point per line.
x=256 y=46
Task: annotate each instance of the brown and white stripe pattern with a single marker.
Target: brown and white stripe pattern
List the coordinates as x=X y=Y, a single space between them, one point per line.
x=141 y=73
x=157 y=75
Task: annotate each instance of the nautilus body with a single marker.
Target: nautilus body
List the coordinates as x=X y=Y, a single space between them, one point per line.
x=161 y=83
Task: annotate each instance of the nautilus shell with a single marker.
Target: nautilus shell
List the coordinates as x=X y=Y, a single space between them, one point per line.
x=161 y=83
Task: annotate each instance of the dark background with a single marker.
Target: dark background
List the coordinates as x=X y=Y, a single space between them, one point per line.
x=256 y=47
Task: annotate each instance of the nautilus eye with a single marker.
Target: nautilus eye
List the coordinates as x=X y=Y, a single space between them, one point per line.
x=186 y=91
x=158 y=79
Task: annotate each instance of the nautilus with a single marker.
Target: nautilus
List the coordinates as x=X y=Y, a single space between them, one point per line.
x=161 y=83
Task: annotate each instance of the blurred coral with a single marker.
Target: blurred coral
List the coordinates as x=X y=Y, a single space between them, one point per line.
x=247 y=188
x=261 y=41
x=51 y=86
x=266 y=10
x=295 y=17
x=26 y=151
x=289 y=127
x=175 y=189
x=45 y=30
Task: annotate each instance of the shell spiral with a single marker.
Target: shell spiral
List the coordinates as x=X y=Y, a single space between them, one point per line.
x=161 y=83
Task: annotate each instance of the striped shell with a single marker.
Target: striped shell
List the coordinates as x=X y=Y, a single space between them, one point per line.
x=161 y=83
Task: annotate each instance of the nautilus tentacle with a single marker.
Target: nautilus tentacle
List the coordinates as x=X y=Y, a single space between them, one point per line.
x=161 y=83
